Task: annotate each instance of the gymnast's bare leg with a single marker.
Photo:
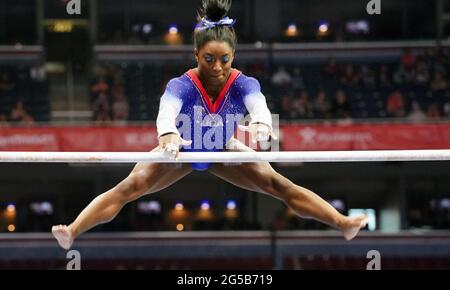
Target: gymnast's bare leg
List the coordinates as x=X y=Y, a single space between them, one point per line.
x=144 y=179
x=261 y=177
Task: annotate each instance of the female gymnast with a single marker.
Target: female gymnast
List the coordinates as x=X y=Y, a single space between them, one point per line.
x=211 y=91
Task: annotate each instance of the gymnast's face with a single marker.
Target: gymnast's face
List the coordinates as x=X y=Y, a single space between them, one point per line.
x=214 y=61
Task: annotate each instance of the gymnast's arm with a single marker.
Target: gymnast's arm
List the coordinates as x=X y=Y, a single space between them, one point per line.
x=169 y=108
x=257 y=107
x=261 y=118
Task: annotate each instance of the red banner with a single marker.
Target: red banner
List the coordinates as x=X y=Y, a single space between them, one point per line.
x=293 y=138
x=29 y=139
x=365 y=137
x=139 y=139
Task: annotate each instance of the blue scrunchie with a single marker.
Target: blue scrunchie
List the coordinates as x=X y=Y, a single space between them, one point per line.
x=206 y=24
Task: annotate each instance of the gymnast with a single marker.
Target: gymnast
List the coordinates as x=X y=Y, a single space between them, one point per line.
x=211 y=91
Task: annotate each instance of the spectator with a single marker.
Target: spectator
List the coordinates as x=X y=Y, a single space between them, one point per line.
x=447 y=109
x=298 y=83
x=281 y=77
x=367 y=76
x=384 y=80
x=302 y=106
x=350 y=78
x=120 y=108
x=20 y=115
x=287 y=104
x=341 y=106
x=2 y=119
x=403 y=76
x=416 y=114
x=439 y=82
x=321 y=105
x=440 y=62
x=258 y=70
x=422 y=76
x=6 y=85
x=396 y=105
x=433 y=111
x=100 y=87
x=408 y=59
x=101 y=108
x=331 y=68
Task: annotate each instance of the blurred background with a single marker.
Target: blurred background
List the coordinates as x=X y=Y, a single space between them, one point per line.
x=339 y=78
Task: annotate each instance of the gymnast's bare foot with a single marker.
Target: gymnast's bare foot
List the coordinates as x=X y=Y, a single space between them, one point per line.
x=352 y=225
x=63 y=235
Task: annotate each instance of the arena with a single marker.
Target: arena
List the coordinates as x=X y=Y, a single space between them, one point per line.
x=224 y=135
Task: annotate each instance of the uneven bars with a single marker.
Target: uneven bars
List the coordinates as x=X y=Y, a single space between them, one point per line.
x=227 y=157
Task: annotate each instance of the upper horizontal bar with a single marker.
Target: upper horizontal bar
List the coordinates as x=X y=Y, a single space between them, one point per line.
x=228 y=157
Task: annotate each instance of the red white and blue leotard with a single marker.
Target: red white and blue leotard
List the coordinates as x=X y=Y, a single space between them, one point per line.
x=186 y=109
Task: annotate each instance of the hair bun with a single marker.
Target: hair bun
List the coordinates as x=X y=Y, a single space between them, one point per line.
x=215 y=10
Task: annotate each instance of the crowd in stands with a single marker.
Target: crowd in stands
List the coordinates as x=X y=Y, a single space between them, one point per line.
x=129 y=92
x=109 y=101
x=415 y=88
x=23 y=94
